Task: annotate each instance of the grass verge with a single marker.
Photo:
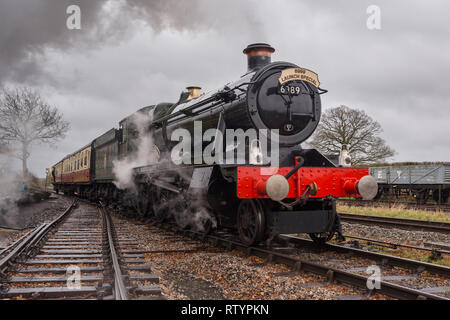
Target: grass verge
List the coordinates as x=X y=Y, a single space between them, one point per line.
x=396 y=211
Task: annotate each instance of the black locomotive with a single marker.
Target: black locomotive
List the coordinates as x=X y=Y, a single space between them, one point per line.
x=271 y=185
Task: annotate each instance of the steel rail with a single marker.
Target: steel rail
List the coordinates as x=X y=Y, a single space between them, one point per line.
x=298 y=264
x=19 y=248
x=332 y=274
x=395 y=245
x=382 y=258
x=12 y=245
x=120 y=290
x=434 y=226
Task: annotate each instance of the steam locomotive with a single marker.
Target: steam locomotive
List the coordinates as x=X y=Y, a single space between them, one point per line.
x=267 y=185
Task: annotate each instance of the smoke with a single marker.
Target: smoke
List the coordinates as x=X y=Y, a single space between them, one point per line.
x=30 y=28
x=187 y=209
x=9 y=190
x=198 y=216
x=144 y=151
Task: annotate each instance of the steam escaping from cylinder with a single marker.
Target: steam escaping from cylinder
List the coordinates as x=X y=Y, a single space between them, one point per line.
x=187 y=210
x=197 y=215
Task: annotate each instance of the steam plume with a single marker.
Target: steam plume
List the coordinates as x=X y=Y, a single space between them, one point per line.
x=144 y=152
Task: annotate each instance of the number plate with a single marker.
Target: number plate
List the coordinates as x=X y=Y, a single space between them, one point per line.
x=292 y=90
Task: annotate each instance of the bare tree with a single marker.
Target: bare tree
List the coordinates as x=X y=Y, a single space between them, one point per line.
x=26 y=119
x=343 y=126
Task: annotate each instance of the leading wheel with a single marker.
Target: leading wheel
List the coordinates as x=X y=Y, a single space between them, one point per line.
x=251 y=221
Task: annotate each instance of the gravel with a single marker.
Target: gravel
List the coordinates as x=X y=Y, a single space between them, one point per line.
x=217 y=274
x=210 y=273
x=394 y=235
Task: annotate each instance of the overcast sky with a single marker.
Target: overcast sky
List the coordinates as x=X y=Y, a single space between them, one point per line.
x=134 y=53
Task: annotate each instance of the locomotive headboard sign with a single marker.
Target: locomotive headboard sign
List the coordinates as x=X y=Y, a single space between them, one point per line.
x=292 y=74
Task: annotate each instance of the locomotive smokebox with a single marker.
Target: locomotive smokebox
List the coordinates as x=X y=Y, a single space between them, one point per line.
x=258 y=55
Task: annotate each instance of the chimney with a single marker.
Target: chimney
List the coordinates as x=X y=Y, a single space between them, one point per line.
x=194 y=92
x=258 y=55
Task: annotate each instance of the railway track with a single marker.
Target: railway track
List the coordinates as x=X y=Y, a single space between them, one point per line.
x=79 y=255
x=113 y=267
x=387 y=203
x=408 y=224
x=302 y=255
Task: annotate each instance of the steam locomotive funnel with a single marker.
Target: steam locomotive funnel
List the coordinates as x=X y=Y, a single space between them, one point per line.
x=258 y=55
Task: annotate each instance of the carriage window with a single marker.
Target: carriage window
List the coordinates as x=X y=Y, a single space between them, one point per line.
x=85 y=161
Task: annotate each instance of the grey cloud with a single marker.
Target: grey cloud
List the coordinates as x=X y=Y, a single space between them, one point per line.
x=148 y=51
x=29 y=27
